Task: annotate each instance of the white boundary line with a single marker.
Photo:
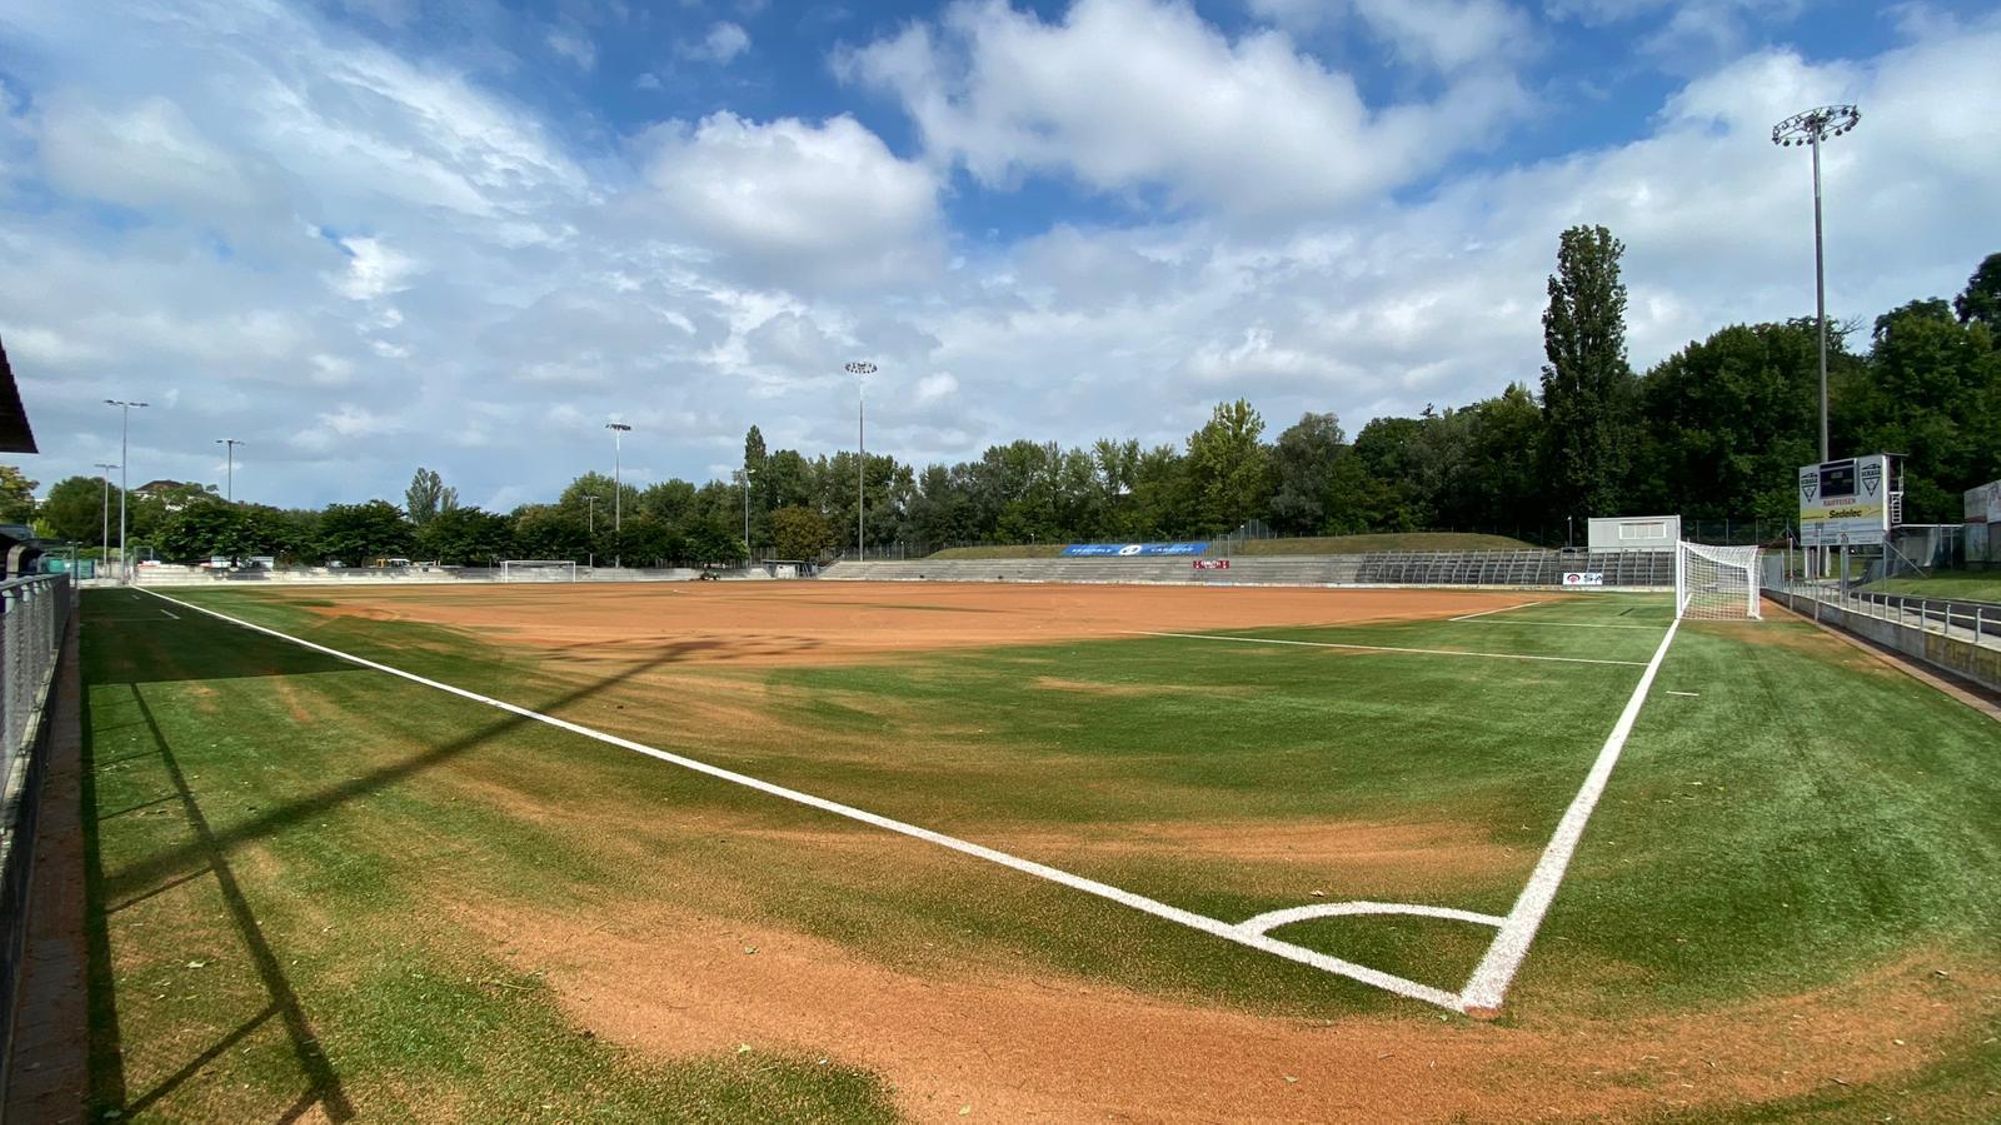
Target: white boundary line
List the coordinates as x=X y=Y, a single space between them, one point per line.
x=1489 y=983
x=1485 y=612
x=1273 y=919
x=1387 y=981
x=1559 y=624
x=1385 y=648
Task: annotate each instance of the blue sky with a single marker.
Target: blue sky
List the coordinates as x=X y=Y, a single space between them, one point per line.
x=365 y=235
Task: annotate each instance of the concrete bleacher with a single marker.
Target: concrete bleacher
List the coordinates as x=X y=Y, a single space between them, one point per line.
x=1522 y=568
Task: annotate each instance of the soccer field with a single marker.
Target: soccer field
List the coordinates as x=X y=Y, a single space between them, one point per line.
x=861 y=851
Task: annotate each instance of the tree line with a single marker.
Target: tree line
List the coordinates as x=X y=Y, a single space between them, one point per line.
x=1714 y=431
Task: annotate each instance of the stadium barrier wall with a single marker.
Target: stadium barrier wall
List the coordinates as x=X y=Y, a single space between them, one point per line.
x=1961 y=638
x=362 y=576
x=1493 y=570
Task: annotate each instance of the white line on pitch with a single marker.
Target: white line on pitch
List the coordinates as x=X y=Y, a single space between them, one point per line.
x=1386 y=648
x=1485 y=612
x=1690 y=694
x=1389 y=982
x=172 y=614
x=1561 y=624
x=1489 y=982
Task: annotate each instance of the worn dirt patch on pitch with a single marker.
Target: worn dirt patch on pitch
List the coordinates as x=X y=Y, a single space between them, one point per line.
x=790 y=623
x=1012 y=1046
x=1092 y=687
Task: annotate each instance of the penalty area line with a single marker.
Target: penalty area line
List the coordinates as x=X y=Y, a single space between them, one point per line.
x=1485 y=612
x=1387 y=648
x=1389 y=982
x=1488 y=985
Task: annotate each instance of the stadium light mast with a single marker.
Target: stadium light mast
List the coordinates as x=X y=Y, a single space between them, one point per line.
x=618 y=432
x=1810 y=128
x=124 y=458
x=861 y=370
x=229 y=488
x=104 y=537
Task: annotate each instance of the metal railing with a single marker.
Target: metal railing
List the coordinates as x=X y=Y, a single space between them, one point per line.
x=33 y=613
x=1975 y=622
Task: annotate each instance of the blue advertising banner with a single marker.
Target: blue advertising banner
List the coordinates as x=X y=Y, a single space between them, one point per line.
x=1130 y=550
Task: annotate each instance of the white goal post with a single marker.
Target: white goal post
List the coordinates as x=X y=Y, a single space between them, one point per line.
x=538 y=570
x=1715 y=583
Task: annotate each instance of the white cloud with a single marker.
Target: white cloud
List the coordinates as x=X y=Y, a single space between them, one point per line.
x=1449 y=35
x=821 y=203
x=575 y=46
x=1131 y=95
x=723 y=43
x=374 y=270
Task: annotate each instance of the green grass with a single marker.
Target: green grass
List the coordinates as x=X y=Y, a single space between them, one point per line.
x=1984 y=586
x=1803 y=817
x=1003 y=551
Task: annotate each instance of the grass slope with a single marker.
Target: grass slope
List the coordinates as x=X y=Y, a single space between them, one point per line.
x=1310 y=545
x=1976 y=587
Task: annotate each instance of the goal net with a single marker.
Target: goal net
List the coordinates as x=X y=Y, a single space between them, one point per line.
x=538 y=570
x=1715 y=583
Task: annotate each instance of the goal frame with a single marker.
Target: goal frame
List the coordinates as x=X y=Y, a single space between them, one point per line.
x=1707 y=578
x=510 y=569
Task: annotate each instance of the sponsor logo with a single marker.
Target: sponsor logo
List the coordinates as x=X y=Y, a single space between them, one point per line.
x=1212 y=564
x=1131 y=550
x=1583 y=578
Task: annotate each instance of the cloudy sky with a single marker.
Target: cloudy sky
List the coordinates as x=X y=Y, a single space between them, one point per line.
x=365 y=235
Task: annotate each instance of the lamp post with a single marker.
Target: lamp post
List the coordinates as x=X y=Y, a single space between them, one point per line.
x=124 y=458
x=861 y=370
x=618 y=432
x=104 y=537
x=743 y=479
x=591 y=508
x=1810 y=128
x=229 y=488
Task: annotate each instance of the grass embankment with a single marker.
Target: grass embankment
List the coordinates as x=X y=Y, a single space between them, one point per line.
x=1311 y=545
x=1972 y=587
x=1803 y=818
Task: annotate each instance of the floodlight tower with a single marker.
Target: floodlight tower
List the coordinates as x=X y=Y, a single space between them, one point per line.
x=104 y=537
x=1810 y=128
x=618 y=432
x=861 y=370
x=125 y=410
x=229 y=489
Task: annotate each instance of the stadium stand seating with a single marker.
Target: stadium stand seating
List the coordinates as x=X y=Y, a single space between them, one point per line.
x=1630 y=569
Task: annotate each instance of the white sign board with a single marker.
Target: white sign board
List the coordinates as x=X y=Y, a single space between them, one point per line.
x=1983 y=504
x=1574 y=578
x=1845 y=502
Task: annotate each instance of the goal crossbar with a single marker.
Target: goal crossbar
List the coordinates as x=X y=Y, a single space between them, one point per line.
x=1715 y=583
x=538 y=570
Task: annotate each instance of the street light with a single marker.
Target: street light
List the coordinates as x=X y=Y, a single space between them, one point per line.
x=861 y=370
x=618 y=432
x=229 y=490
x=1810 y=128
x=104 y=537
x=743 y=478
x=124 y=458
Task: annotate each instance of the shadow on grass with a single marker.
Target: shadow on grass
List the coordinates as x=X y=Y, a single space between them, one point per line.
x=188 y=652
x=158 y=642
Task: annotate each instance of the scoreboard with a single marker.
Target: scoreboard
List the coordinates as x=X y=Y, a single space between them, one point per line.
x=1845 y=502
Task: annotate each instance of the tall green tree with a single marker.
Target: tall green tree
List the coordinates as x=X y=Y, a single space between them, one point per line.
x=358 y=534
x=1980 y=301
x=17 y=496
x=466 y=537
x=800 y=533
x=1229 y=467
x=1587 y=386
x=427 y=496
x=1304 y=460
x=75 y=509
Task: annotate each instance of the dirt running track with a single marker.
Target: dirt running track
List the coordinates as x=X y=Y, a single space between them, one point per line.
x=827 y=622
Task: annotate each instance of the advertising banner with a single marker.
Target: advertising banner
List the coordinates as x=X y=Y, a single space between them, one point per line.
x=1583 y=578
x=1212 y=564
x=1845 y=502
x=1130 y=550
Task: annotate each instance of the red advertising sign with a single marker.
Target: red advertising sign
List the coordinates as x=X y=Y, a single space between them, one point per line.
x=1212 y=564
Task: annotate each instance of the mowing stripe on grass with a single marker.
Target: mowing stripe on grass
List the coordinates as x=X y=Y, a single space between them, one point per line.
x=1485 y=612
x=1386 y=648
x=1489 y=982
x=1558 y=624
x=1389 y=982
